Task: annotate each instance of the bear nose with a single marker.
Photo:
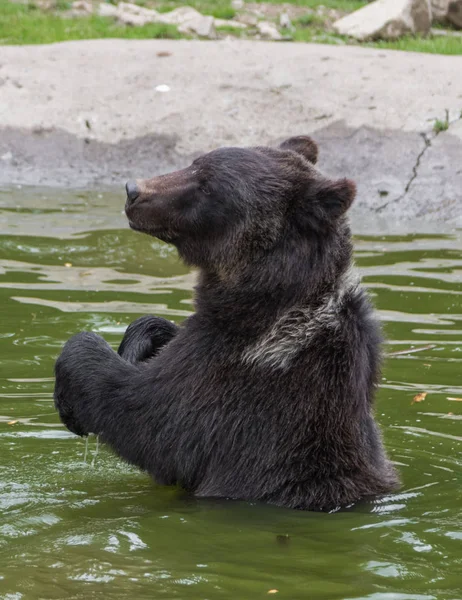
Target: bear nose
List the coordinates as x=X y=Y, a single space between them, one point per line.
x=132 y=191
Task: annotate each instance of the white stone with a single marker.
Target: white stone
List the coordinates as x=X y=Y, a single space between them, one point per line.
x=237 y=4
x=82 y=7
x=134 y=15
x=248 y=19
x=268 y=31
x=387 y=19
x=284 y=21
x=230 y=23
x=107 y=10
x=180 y=15
x=189 y=20
x=203 y=27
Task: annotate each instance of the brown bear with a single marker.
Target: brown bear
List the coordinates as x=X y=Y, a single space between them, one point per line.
x=266 y=392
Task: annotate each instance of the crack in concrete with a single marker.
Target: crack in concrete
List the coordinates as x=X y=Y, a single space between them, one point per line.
x=415 y=168
x=427 y=144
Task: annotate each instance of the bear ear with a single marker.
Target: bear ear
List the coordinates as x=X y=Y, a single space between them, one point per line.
x=336 y=197
x=304 y=145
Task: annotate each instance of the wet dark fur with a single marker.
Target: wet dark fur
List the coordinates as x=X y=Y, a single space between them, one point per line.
x=269 y=235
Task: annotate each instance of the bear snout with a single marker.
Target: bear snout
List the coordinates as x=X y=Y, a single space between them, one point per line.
x=133 y=191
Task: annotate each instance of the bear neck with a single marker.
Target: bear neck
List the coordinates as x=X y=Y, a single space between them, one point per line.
x=296 y=274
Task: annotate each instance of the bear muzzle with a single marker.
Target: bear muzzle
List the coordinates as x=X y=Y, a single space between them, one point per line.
x=133 y=191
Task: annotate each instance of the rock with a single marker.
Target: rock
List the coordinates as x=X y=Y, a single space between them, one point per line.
x=189 y=20
x=387 y=20
x=230 y=23
x=180 y=15
x=186 y=18
x=137 y=16
x=82 y=7
x=455 y=13
x=248 y=19
x=237 y=4
x=107 y=10
x=45 y=4
x=203 y=27
x=447 y=11
x=284 y=21
x=440 y=10
x=333 y=14
x=268 y=31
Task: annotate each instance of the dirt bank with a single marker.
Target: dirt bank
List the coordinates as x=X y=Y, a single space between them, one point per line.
x=85 y=114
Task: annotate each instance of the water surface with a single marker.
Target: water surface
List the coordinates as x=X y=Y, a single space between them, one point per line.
x=76 y=527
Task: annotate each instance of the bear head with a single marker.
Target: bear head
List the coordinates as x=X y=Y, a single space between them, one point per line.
x=235 y=204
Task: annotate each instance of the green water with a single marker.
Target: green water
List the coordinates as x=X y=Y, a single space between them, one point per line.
x=100 y=530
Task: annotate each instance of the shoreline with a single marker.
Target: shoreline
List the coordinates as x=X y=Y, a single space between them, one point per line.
x=85 y=115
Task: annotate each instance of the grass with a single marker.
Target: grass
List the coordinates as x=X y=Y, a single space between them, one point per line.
x=429 y=45
x=432 y=45
x=25 y=24
x=441 y=124
x=309 y=20
x=228 y=30
x=317 y=34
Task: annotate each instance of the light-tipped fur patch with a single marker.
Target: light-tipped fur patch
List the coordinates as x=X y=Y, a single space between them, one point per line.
x=293 y=330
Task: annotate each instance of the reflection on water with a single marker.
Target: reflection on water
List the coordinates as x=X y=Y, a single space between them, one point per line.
x=88 y=526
